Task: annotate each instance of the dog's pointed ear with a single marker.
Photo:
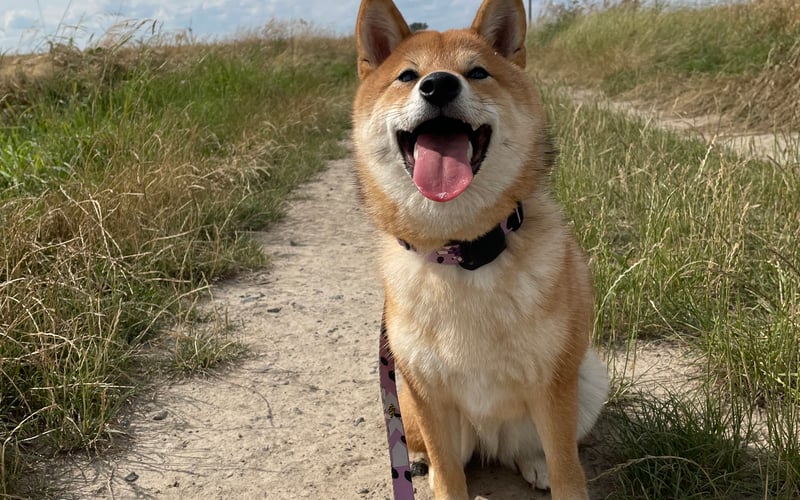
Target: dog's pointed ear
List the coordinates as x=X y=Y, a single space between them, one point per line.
x=502 y=24
x=379 y=28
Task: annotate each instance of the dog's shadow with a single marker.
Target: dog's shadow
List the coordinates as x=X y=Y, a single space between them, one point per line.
x=495 y=482
x=487 y=482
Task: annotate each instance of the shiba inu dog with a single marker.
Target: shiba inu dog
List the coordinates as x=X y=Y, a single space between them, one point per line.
x=489 y=301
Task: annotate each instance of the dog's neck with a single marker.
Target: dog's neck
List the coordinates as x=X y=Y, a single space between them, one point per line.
x=471 y=255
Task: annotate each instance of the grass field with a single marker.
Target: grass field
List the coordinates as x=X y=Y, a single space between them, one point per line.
x=695 y=245
x=741 y=59
x=690 y=243
x=129 y=178
x=131 y=175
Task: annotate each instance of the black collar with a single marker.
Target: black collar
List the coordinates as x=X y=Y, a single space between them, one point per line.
x=473 y=254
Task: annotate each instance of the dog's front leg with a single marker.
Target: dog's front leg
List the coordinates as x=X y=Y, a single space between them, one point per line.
x=439 y=427
x=555 y=417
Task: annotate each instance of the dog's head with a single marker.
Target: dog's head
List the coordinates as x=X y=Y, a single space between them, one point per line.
x=448 y=130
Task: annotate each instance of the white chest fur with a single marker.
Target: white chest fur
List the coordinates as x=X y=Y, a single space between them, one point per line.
x=478 y=336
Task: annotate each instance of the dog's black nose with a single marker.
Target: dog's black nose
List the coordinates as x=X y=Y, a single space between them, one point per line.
x=440 y=88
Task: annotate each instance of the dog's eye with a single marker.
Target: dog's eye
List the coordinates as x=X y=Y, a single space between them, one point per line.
x=478 y=73
x=408 y=75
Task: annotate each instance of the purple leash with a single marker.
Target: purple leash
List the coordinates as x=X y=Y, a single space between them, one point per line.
x=398 y=451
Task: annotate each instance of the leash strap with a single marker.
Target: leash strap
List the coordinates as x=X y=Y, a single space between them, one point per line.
x=398 y=451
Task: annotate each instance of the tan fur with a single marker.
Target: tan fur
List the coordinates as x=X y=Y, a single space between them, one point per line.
x=496 y=360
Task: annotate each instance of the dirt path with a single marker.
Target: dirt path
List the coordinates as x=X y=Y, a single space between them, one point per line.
x=782 y=149
x=300 y=417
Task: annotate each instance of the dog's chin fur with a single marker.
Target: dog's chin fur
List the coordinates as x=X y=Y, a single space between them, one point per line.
x=494 y=361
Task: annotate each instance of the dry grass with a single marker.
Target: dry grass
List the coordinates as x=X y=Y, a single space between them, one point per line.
x=129 y=177
x=740 y=60
x=691 y=243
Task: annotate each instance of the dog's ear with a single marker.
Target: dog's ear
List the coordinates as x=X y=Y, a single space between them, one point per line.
x=379 y=28
x=502 y=24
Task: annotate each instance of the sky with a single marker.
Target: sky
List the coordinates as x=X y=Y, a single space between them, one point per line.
x=27 y=25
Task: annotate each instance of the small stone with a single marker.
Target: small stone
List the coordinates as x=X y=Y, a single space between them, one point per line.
x=251 y=298
x=161 y=415
x=131 y=477
x=274 y=310
x=360 y=420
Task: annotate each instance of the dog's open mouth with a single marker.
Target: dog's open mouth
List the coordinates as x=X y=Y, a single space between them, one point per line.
x=443 y=155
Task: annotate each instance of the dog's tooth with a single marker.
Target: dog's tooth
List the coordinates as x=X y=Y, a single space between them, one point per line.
x=469 y=150
x=416 y=151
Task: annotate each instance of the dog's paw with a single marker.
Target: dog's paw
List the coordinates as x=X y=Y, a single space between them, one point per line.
x=419 y=468
x=534 y=470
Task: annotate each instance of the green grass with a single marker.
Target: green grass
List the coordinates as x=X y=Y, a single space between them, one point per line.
x=682 y=446
x=129 y=178
x=689 y=242
x=697 y=245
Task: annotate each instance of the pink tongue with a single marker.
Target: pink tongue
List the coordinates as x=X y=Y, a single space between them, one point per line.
x=442 y=170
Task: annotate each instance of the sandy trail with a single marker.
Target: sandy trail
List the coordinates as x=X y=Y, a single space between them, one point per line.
x=780 y=148
x=300 y=417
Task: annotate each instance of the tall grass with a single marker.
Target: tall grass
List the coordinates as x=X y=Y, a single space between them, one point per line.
x=689 y=241
x=739 y=58
x=694 y=244
x=130 y=176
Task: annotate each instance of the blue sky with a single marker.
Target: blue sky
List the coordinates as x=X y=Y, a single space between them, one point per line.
x=26 y=25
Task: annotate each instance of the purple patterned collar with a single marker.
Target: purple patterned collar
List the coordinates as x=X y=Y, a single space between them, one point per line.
x=473 y=254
